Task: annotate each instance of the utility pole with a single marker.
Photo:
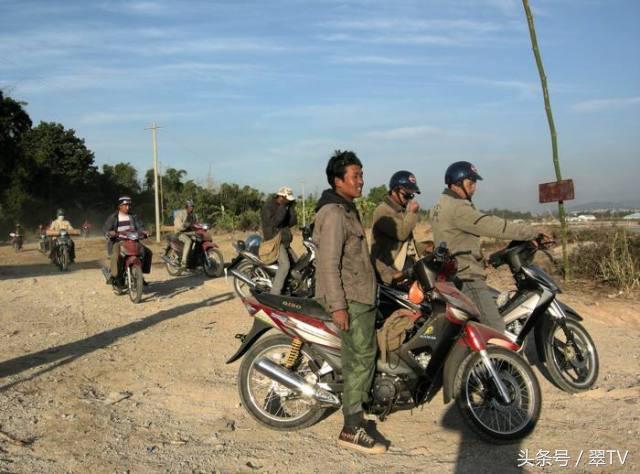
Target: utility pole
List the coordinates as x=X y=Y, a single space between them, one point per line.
x=304 y=214
x=552 y=130
x=154 y=138
x=161 y=195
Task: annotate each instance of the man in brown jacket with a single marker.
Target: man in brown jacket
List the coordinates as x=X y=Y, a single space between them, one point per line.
x=456 y=221
x=394 y=248
x=346 y=286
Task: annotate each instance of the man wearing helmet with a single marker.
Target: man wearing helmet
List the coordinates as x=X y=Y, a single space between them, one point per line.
x=183 y=223
x=394 y=247
x=58 y=224
x=456 y=221
x=121 y=222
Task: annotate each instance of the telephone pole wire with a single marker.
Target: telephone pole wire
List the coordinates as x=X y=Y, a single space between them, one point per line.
x=154 y=138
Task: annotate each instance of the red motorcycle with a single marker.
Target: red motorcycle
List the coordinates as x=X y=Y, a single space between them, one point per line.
x=129 y=278
x=292 y=379
x=204 y=253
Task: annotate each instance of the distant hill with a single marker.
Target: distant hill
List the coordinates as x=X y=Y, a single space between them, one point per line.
x=589 y=206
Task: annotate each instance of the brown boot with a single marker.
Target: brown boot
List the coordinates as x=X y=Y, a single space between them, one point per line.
x=357 y=438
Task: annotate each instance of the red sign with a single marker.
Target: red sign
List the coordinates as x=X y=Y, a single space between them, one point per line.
x=556 y=191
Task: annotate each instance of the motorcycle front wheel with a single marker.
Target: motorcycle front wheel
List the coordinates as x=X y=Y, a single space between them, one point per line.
x=63 y=259
x=481 y=405
x=269 y=402
x=214 y=264
x=136 y=284
x=570 y=355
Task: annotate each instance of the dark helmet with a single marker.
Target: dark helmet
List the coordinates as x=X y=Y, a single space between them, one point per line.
x=404 y=179
x=60 y=212
x=460 y=170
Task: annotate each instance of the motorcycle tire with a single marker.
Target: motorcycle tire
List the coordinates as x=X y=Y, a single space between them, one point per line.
x=136 y=284
x=270 y=403
x=572 y=367
x=17 y=247
x=216 y=267
x=250 y=271
x=173 y=270
x=480 y=404
x=64 y=259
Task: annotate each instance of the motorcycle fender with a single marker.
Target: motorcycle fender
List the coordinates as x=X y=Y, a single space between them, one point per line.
x=237 y=259
x=207 y=244
x=451 y=366
x=570 y=312
x=132 y=261
x=258 y=329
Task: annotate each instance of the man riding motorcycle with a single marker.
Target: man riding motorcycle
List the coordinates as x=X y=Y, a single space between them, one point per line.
x=393 y=247
x=121 y=222
x=58 y=224
x=183 y=223
x=456 y=221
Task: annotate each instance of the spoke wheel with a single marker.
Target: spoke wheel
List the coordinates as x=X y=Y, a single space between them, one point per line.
x=136 y=284
x=214 y=265
x=173 y=268
x=483 y=408
x=269 y=402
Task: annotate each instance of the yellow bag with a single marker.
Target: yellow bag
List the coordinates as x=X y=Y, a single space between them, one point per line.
x=391 y=335
x=270 y=249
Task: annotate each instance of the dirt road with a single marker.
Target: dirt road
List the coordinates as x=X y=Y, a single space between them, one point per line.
x=90 y=382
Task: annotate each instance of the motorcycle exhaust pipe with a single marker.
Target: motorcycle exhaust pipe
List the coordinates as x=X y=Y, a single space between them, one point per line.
x=166 y=259
x=243 y=278
x=294 y=382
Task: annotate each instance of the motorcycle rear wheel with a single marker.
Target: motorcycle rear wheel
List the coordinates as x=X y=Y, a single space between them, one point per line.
x=136 y=284
x=270 y=403
x=480 y=404
x=572 y=367
x=216 y=267
x=173 y=270
x=253 y=273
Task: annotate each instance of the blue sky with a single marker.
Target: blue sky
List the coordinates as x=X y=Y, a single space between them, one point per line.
x=262 y=92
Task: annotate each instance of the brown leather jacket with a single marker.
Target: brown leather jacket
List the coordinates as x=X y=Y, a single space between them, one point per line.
x=343 y=266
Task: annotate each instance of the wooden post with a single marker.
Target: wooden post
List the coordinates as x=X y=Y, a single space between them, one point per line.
x=552 y=130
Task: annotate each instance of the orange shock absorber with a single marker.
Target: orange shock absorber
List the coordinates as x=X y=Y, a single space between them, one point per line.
x=294 y=353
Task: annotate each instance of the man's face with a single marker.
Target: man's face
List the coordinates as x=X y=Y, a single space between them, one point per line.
x=189 y=209
x=351 y=185
x=404 y=196
x=124 y=208
x=469 y=186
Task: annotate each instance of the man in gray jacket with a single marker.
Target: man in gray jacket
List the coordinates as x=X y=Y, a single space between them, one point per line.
x=456 y=221
x=183 y=224
x=346 y=286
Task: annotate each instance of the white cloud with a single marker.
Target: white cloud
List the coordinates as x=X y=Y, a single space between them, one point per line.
x=381 y=60
x=404 y=133
x=606 y=104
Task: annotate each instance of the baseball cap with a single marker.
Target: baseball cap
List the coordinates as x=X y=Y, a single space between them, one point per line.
x=286 y=192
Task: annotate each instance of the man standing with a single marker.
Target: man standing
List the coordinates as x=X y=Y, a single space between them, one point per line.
x=278 y=216
x=456 y=221
x=394 y=248
x=346 y=286
x=183 y=223
x=121 y=222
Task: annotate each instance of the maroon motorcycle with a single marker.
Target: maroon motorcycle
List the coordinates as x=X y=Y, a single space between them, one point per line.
x=289 y=380
x=204 y=253
x=130 y=279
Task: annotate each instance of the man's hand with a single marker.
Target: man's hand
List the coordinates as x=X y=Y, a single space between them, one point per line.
x=112 y=233
x=413 y=206
x=341 y=319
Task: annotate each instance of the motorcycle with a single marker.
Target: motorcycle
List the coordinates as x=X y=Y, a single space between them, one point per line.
x=203 y=254
x=563 y=344
x=290 y=380
x=61 y=255
x=129 y=278
x=250 y=272
x=17 y=239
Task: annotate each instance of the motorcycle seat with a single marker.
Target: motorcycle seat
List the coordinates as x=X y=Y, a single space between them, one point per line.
x=306 y=306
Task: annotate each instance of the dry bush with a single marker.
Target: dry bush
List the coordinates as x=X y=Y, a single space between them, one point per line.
x=612 y=257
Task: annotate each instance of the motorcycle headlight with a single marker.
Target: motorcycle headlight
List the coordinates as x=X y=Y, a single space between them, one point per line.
x=133 y=236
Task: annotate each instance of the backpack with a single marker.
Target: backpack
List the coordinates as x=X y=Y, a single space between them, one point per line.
x=393 y=332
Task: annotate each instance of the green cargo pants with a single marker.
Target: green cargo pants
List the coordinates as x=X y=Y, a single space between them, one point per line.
x=359 y=351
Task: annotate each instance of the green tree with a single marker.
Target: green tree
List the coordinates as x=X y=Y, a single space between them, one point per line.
x=377 y=194
x=123 y=176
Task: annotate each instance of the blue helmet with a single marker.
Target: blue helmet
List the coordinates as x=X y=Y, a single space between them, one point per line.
x=404 y=179
x=459 y=171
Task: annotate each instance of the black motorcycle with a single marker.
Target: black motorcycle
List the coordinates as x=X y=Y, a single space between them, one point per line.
x=563 y=344
x=292 y=379
x=251 y=272
x=62 y=253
